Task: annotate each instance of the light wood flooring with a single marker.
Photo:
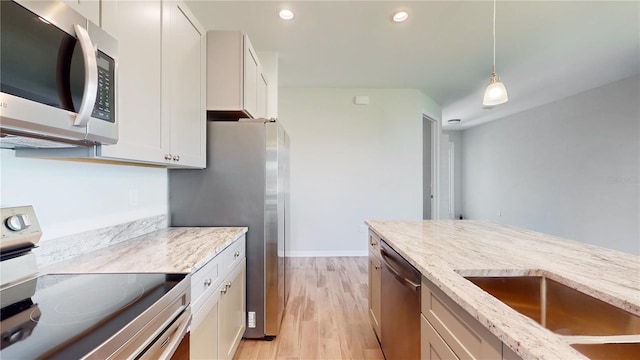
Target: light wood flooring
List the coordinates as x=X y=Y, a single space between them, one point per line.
x=326 y=316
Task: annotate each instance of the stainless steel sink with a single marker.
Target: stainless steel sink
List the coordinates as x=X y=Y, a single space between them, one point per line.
x=562 y=309
x=609 y=351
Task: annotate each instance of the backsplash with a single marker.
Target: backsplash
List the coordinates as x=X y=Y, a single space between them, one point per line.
x=63 y=248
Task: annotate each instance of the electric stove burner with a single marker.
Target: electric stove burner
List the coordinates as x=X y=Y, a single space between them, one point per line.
x=92 y=304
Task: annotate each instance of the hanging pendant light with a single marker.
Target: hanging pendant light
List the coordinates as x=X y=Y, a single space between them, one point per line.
x=496 y=92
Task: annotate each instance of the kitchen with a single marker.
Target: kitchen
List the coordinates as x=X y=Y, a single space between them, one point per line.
x=109 y=195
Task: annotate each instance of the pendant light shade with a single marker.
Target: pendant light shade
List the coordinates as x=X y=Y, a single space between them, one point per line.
x=496 y=92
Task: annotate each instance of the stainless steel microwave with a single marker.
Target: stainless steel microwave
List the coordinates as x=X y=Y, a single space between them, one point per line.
x=57 y=78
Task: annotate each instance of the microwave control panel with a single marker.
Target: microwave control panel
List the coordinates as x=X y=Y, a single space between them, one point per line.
x=105 y=104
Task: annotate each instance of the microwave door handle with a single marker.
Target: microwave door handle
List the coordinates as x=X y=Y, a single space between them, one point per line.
x=90 y=79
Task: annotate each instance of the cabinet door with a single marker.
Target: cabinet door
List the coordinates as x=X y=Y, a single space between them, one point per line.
x=464 y=335
x=138 y=25
x=375 y=275
x=225 y=50
x=432 y=347
x=250 y=78
x=262 y=95
x=204 y=338
x=232 y=312
x=87 y=8
x=184 y=82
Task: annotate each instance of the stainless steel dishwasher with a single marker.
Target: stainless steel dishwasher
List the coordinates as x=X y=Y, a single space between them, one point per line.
x=400 y=300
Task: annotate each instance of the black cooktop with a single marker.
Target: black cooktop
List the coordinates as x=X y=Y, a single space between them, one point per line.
x=66 y=316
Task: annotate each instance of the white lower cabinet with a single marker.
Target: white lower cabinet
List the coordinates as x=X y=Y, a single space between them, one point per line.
x=203 y=338
x=375 y=279
x=218 y=298
x=232 y=310
x=447 y=331
x=432 y=346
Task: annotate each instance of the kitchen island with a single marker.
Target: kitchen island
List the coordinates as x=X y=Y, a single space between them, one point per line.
x=445 y=252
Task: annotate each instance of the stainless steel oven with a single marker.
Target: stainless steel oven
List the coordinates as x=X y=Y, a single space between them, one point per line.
x=58 y=84
x=84 y=316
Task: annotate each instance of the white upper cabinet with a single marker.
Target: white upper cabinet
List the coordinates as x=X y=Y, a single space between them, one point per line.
x=235 y=82
x=87 y=8
x=161 y=84
x=143 y=136
x=184 y=85
x=251 y=75
x=262 y=101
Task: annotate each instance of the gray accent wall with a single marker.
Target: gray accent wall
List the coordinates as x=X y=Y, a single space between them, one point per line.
x=570 y=168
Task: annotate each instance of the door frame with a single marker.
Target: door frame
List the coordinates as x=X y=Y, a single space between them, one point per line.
x=436 y=129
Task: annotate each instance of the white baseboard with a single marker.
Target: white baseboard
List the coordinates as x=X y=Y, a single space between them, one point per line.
x=327 y=253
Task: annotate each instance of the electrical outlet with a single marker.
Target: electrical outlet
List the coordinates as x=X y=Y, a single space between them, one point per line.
x=252 y=319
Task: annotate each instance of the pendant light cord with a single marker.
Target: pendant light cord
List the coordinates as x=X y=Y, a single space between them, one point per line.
x=494 y=37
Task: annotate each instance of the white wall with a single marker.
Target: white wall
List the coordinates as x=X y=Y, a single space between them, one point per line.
x=350 y=163
x=72 y=197
x=569 y=168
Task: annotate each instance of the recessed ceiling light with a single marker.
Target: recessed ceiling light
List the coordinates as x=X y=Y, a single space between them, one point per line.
x=400 y=16
x=286 y=14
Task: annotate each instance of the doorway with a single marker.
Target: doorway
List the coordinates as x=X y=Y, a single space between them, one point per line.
x=429 y=133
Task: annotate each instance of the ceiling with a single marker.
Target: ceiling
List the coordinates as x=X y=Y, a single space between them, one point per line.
x=546 y=50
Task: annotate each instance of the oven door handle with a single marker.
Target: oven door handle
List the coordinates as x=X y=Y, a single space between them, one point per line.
x=90 y=77
x=167 y=343
x=408 y=283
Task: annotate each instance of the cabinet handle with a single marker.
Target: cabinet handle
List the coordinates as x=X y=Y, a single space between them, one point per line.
x=236 y=254
x=224 y=290
x=167 y=156
x=228 y=285
x=176 y=157
x=377 y=267
x=207 y=282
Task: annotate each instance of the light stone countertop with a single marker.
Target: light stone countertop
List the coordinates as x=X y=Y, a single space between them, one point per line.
x=169 y=250
x=445 y=250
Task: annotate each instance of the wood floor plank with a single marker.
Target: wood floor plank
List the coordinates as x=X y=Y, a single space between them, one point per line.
x=309 y=337
x=326 y=316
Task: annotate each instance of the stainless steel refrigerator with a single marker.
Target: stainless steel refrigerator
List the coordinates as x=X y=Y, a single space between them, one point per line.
x=245 y=184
